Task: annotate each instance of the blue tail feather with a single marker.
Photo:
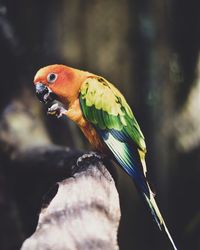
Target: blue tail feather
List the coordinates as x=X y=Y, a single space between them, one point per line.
x=128 y=158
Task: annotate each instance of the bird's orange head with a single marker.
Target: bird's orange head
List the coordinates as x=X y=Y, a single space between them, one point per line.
x=58 y=82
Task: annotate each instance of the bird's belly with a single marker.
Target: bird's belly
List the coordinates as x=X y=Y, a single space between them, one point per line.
x=92 y=136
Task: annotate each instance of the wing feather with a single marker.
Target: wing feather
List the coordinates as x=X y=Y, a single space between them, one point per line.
x=105 y=107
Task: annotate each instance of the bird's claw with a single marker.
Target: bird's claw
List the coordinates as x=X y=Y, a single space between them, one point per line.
x=57 y=110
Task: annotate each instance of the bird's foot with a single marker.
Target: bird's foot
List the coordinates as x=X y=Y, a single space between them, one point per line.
x=56 y=109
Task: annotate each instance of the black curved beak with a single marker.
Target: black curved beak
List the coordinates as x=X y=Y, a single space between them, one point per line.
x=43 y=93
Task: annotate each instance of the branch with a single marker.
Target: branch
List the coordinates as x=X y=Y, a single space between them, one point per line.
x=84 y=214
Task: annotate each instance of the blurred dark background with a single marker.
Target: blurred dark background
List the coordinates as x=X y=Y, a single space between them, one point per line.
x=150 y=50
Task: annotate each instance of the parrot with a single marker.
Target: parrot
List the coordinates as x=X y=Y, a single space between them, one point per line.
x=106 y=120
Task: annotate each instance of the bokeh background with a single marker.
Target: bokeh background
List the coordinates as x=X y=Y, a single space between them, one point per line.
x=150 y=50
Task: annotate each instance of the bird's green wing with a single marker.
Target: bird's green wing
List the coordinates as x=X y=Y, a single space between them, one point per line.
x=105 y=107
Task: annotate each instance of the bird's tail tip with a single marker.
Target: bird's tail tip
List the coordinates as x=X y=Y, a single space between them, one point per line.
x=169 y=236
x=158 y=218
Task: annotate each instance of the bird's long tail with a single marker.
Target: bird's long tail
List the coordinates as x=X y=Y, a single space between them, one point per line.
x=133 y=163
x=151 y=203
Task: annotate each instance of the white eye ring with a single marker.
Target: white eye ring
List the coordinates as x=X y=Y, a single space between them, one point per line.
x=51 y=77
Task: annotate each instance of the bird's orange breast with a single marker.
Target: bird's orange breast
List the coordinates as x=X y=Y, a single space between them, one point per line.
x=75 y=114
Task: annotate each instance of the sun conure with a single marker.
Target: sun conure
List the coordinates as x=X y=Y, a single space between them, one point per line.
x=105 y=118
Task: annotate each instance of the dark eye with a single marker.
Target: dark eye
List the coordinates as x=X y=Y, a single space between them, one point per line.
x=51 y=77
